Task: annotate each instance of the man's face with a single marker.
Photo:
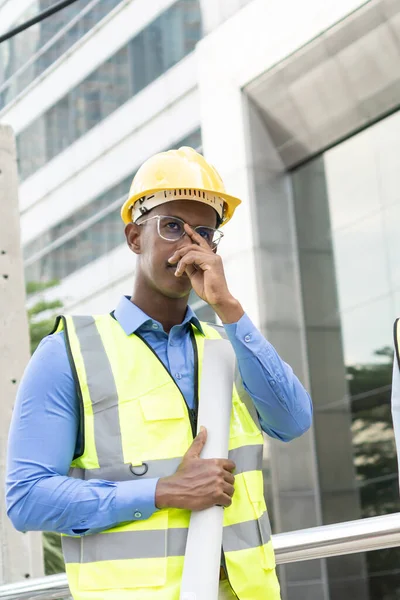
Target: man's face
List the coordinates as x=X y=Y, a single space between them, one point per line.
x=155 y=251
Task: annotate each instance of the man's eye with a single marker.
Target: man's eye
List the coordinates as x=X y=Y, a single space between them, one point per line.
x=205 y=234
x=173 y=225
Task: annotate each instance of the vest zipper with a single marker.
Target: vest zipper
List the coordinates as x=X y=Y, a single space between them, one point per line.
x=193 y=412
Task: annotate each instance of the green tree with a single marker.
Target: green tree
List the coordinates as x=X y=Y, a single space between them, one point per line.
x=41 y=320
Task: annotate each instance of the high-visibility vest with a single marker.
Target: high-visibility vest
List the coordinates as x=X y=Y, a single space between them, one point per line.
x=137 y=425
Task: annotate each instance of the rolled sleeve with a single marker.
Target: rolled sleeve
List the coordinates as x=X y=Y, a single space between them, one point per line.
x=283 y=404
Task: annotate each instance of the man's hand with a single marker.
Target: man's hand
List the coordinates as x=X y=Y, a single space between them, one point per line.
x=198 y=483
x=206 y=273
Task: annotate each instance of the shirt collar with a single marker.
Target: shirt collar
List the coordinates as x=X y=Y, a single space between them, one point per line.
x=131 y=317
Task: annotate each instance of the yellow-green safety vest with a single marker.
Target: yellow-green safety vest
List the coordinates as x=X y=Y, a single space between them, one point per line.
x=136 y=425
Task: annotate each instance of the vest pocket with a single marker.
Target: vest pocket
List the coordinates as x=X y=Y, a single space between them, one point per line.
x=126 y=558
x=155 y=407
x=162 y=431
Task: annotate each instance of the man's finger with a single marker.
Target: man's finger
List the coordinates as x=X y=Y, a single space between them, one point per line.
x=196 y=237
x=197 y=445
x=201 y=261
x=228 y=465
x=185 y=250
x=229 y=490
x=229 y=478
x=192 y=258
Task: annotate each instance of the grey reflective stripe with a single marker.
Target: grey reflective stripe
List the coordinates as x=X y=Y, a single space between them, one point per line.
x=243 y=395
x=102 y=390
x=127 y=545
x=246 y=458
x=248 y=534
x=158 y=543
x=124 y=472
x=71 y=547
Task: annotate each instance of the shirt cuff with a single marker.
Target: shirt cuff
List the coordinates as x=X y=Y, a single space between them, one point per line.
x=245 y=338
x=135 y=500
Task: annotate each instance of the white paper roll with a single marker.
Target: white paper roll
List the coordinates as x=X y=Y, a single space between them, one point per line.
x=200 y=580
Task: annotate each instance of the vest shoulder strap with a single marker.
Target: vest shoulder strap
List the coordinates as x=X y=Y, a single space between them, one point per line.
x=58 y=325
x=218 y=328
x=397 y=340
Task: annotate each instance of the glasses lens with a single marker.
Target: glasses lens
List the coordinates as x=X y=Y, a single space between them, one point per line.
x=171 y=228
x=210 y=235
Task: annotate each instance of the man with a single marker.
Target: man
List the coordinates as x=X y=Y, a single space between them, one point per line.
x=101 y=445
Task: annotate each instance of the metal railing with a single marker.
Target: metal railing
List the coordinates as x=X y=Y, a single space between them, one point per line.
x=363 y=535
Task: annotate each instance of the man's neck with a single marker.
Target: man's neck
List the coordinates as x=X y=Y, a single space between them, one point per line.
x=167 y=311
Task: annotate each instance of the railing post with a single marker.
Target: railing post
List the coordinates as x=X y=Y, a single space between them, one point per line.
x=21 y=555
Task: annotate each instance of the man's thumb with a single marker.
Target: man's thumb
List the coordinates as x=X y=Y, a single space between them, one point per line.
x=198 y=444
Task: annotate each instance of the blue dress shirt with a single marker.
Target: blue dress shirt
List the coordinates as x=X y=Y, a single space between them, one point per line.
x=45 y=423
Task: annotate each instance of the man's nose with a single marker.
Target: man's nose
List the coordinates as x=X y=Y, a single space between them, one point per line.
x=185 y=240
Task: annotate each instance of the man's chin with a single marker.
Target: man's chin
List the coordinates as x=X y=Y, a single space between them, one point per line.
x=181 y=289
x=170 y=286
x=177 y=294
x=176 y=287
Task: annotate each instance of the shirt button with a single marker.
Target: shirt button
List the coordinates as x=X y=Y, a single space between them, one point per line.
x=137 y=515
x=247 y=338
x=155 y=326
x=178 y=376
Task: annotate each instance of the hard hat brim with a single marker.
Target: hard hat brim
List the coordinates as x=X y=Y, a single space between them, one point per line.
x=231 y=203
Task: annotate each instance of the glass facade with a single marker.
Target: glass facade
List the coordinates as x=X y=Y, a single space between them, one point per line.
x=29 y=54
x=347 y=206
x=154 y=50
x=87 y=234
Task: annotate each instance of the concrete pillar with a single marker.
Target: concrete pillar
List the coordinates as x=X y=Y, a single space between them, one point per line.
x=21 y=555
x=215 y=12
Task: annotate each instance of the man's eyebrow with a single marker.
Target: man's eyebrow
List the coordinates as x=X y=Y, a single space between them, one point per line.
x=180 y=219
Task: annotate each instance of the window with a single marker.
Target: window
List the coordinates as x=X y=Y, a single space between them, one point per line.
x=123 y=75
x=28 y=55
x=347 y=205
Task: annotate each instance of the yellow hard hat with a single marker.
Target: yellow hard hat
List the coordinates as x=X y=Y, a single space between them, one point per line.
x=183 y=169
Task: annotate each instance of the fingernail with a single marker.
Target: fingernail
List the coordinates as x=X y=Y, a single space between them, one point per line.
x=170 y=259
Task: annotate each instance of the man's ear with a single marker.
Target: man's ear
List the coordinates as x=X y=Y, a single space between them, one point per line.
x=132 y=234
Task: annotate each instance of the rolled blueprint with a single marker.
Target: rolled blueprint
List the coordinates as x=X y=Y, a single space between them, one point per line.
x=200 y=580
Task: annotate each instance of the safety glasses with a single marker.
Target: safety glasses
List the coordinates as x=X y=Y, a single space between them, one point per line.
x=172 y=229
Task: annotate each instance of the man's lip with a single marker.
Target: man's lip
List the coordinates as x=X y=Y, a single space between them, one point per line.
x=169 y=266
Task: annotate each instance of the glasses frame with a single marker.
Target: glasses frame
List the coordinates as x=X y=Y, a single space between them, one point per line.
x=213 y=246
